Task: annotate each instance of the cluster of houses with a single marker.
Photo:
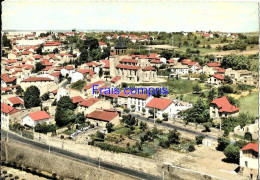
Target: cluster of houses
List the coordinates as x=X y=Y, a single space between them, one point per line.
x=98 y=107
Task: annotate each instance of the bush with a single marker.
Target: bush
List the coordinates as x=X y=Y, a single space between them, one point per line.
x=222 y=143
x=199 y=139
x=232 y=153
x=191 y=148
x=78 y=85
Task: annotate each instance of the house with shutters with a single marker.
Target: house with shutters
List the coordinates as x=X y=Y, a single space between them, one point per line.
x=215 y=80
x=248 y=160
x=221 y=108
x=6 y=114
x=139 y=100
x=160 y=106
x=89 y=105
x=101 y=117
x=34 y=118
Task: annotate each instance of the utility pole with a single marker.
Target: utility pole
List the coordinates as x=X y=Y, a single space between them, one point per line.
x=172 y=40
x=49 y=147
x=163 y=175
x=154 y=115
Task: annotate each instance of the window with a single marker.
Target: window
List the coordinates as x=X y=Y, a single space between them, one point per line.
x=246 y=163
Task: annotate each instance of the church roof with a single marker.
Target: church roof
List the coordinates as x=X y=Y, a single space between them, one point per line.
x=120 y=44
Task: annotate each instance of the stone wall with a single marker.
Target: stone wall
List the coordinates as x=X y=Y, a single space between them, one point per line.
x=63 y=167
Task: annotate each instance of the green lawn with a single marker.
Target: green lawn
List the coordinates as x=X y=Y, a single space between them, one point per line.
x=179 y=86
x=249 y=104
x=192 y=98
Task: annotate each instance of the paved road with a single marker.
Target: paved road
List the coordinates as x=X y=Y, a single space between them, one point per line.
x=88 y=160
x=175 y=127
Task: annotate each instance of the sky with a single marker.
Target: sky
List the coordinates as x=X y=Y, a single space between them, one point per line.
x=166 y=16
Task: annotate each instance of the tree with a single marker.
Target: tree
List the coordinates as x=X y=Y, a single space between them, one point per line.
x=143 y=125
x=100 y=136
x=165 y=116
x=153 y=112
x=196 y=89
x=232 y=153
x=32 y=97
x=39 y=50
x=56 y=50
x=143 y=110
x=64 y=114
x=45 y=128
x=80 y=118
x=228 y=80
x=126 y=110
x=199 y=139
x=222 y=143
x=212 y=94
x=19 y=91
x=174 y=137
x=100 y=72
x=109 y=127
x=208 y=46
x=38 y=67
x=203 y=77
x=198 y=114
x=45 y=96
x=133 y=107
x=6 y=42
x=166 y=54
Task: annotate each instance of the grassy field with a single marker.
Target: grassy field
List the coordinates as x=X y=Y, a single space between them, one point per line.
x=249 y=104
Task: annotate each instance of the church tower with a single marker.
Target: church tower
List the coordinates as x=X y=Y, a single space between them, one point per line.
x=120 y=47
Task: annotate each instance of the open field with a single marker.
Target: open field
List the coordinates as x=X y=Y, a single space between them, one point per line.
x=249 y=103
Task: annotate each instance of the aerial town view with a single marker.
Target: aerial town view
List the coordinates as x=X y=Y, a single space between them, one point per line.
x=129 y=90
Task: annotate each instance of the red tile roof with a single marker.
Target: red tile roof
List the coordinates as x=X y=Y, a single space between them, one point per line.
x=221 y=70
x=77 y=99
x=122 y=66
x=122 y=93
x=26 y=52
x=8 y=79
x=129 y=60
x=101 y=43
x=224 y=105
x=69 y=67
x=28 y=66
x=34 y=79
x=47 y=68
x=92 y=84
x=219 y=76
x=156 y=61
x=112 y=95
x=4 y=89
x=102 y=115
x=8 y=109
x=106 y=62
x=16 y=100
x=84 y=71
x=39 y=115
x=90 y=64
x=115 y=79
x=253 y=146
x=89 y=102
x=153 y=56
x=159 y=103
x=139 y=56
x=149 y=68
x=213 y=64
x=139 y=96
x=37 y=56
x=55 y=91
x=56 y=74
